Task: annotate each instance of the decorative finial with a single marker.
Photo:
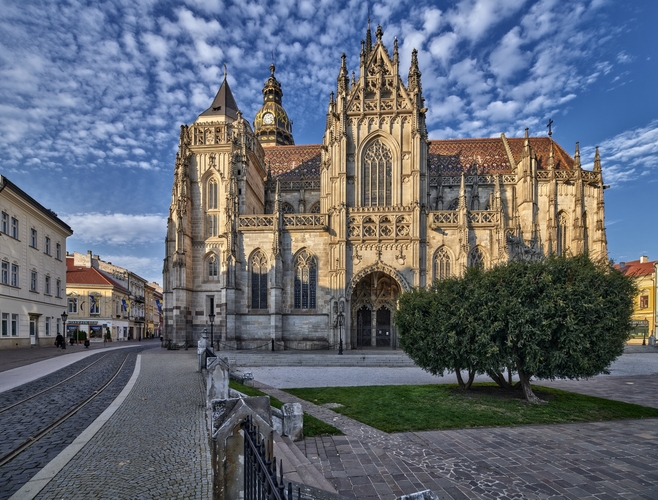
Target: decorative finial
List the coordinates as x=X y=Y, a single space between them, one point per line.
x=597 y=160
x=550 y=129
x=272 y=68
x=380 y=33
x=224 y=71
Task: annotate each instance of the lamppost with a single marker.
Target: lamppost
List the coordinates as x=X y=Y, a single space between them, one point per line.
x=64 y=318
x=211 y=318
x=339 y=312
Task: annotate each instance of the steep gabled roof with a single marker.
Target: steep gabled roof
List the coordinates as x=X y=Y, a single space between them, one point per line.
x=223 y=104
x=81 y=275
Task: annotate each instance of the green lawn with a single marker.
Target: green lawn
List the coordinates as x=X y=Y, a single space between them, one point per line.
x=312 y=425
x=430 y=407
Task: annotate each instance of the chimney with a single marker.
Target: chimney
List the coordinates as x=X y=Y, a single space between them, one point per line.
x=88 y=260
x=644 y=259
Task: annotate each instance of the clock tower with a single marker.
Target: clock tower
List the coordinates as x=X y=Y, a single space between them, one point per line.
x=271 y=124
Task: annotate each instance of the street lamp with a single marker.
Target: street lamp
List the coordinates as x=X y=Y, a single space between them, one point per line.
x=64 y=318
x=211 y=318
x=339 y=312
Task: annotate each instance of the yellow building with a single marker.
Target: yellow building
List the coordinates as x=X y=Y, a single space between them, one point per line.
x=96 y=303
x=644 y=315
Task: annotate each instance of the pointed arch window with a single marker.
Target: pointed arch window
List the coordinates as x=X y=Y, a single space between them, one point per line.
x=287 y=208
x=258 y=281
x=377 y=174
x=454 y=204
x=212 y=267
x=315 y=208
x=306 y=277
x=585 y=233
x=562 y=233
x=476 y=258
x=212 y=194
x=442 y=264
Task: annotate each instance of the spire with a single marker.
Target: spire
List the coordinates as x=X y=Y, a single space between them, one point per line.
x=271 y=123
x=597 y=160
x=224 y=103
x=576 y=157
x=368 y=39
x=343 y=78
x=414 y=73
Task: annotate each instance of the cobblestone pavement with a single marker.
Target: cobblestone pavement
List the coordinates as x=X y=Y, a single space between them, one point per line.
x=601 y=460
x=154 y=446
x=24 y=420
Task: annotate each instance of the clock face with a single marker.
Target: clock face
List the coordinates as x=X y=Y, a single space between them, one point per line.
x=268 y=118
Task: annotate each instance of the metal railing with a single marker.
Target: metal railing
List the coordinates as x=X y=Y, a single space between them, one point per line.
x=261 y=481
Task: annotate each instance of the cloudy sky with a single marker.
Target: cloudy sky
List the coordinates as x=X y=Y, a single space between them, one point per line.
x=92 y=93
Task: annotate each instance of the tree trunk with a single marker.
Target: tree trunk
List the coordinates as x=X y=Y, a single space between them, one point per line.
x=460 y=380
x=471 y=377
x=527 y=390
x=499 y=378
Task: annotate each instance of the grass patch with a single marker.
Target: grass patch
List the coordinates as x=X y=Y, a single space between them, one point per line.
x=312 y=426
x=432 y=407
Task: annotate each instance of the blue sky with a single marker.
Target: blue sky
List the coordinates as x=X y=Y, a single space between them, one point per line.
x=92 y=93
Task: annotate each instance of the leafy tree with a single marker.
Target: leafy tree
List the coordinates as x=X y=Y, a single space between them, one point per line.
x=561 y=317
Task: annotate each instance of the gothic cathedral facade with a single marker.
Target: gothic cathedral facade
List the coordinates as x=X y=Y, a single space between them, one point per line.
x=300 y=247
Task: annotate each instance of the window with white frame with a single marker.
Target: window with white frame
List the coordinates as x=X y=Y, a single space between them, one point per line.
x=47 y=325
x=46 y=245
x=4 y=276
x=58 y=288
x=14 y=227
x=33 y=281
x=73 y=305
x=94 y=304
x=5 y=324
x=58 y=251
x=33 y=237
x=4 y=223
x=14 y=275
x=14 y=325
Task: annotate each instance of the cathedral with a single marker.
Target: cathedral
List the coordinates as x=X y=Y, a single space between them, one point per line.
x=278 y=246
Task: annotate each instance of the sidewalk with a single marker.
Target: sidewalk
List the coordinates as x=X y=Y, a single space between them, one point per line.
x=154 y=446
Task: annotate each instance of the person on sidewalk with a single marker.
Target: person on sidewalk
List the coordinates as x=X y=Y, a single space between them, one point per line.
x=58 y=340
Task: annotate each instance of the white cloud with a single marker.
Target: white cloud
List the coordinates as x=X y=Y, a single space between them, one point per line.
x=117 y=229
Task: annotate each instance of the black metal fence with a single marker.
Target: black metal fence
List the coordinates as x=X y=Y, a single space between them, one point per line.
x=261 y=481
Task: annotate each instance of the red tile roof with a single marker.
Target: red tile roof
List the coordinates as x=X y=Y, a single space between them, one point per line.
x=445 y=156
x=293 y=162
x=637 y=268
x=81 y=275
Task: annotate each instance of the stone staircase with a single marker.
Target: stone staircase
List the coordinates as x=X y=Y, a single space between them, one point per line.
x=386 y=358
x=301 y=472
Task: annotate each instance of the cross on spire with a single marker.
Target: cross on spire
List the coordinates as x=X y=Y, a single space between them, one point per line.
x=550 y=129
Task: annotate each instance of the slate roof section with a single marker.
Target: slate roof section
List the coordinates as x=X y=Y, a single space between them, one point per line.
x=82 y=275
x=6 y=183
x=446 y=156
x=224 y=104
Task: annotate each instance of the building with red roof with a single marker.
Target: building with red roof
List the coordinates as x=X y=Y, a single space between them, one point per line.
x=644 y=314
x=272 y=244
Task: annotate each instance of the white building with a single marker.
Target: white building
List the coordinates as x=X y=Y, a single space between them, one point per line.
x=33 y=269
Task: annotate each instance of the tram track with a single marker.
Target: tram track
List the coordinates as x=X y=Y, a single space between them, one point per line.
x=17 y=450
x=24 y=400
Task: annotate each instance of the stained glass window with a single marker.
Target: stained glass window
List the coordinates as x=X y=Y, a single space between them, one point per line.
x=306 y=277
x=259 y=281
x=377 y=174
x=441 y=264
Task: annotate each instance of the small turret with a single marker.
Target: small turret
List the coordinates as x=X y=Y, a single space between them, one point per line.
x=343 y=78
x=597 y=160
x=414 y=84
x=576 y=157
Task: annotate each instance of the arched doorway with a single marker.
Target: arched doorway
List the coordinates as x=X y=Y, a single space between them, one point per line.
x=373 y=303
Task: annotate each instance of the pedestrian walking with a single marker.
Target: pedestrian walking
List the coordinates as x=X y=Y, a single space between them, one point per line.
x=58 y=340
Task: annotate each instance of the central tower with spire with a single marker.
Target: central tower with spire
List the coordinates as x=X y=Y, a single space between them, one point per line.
x=271 y=124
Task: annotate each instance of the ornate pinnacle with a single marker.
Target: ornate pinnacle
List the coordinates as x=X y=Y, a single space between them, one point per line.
x=343 y=78
x=597 y=160
x=551 y=157
x=368 y=39
x=272 y=68
x=414 y=72
x=379 y=34
x=576 y=156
